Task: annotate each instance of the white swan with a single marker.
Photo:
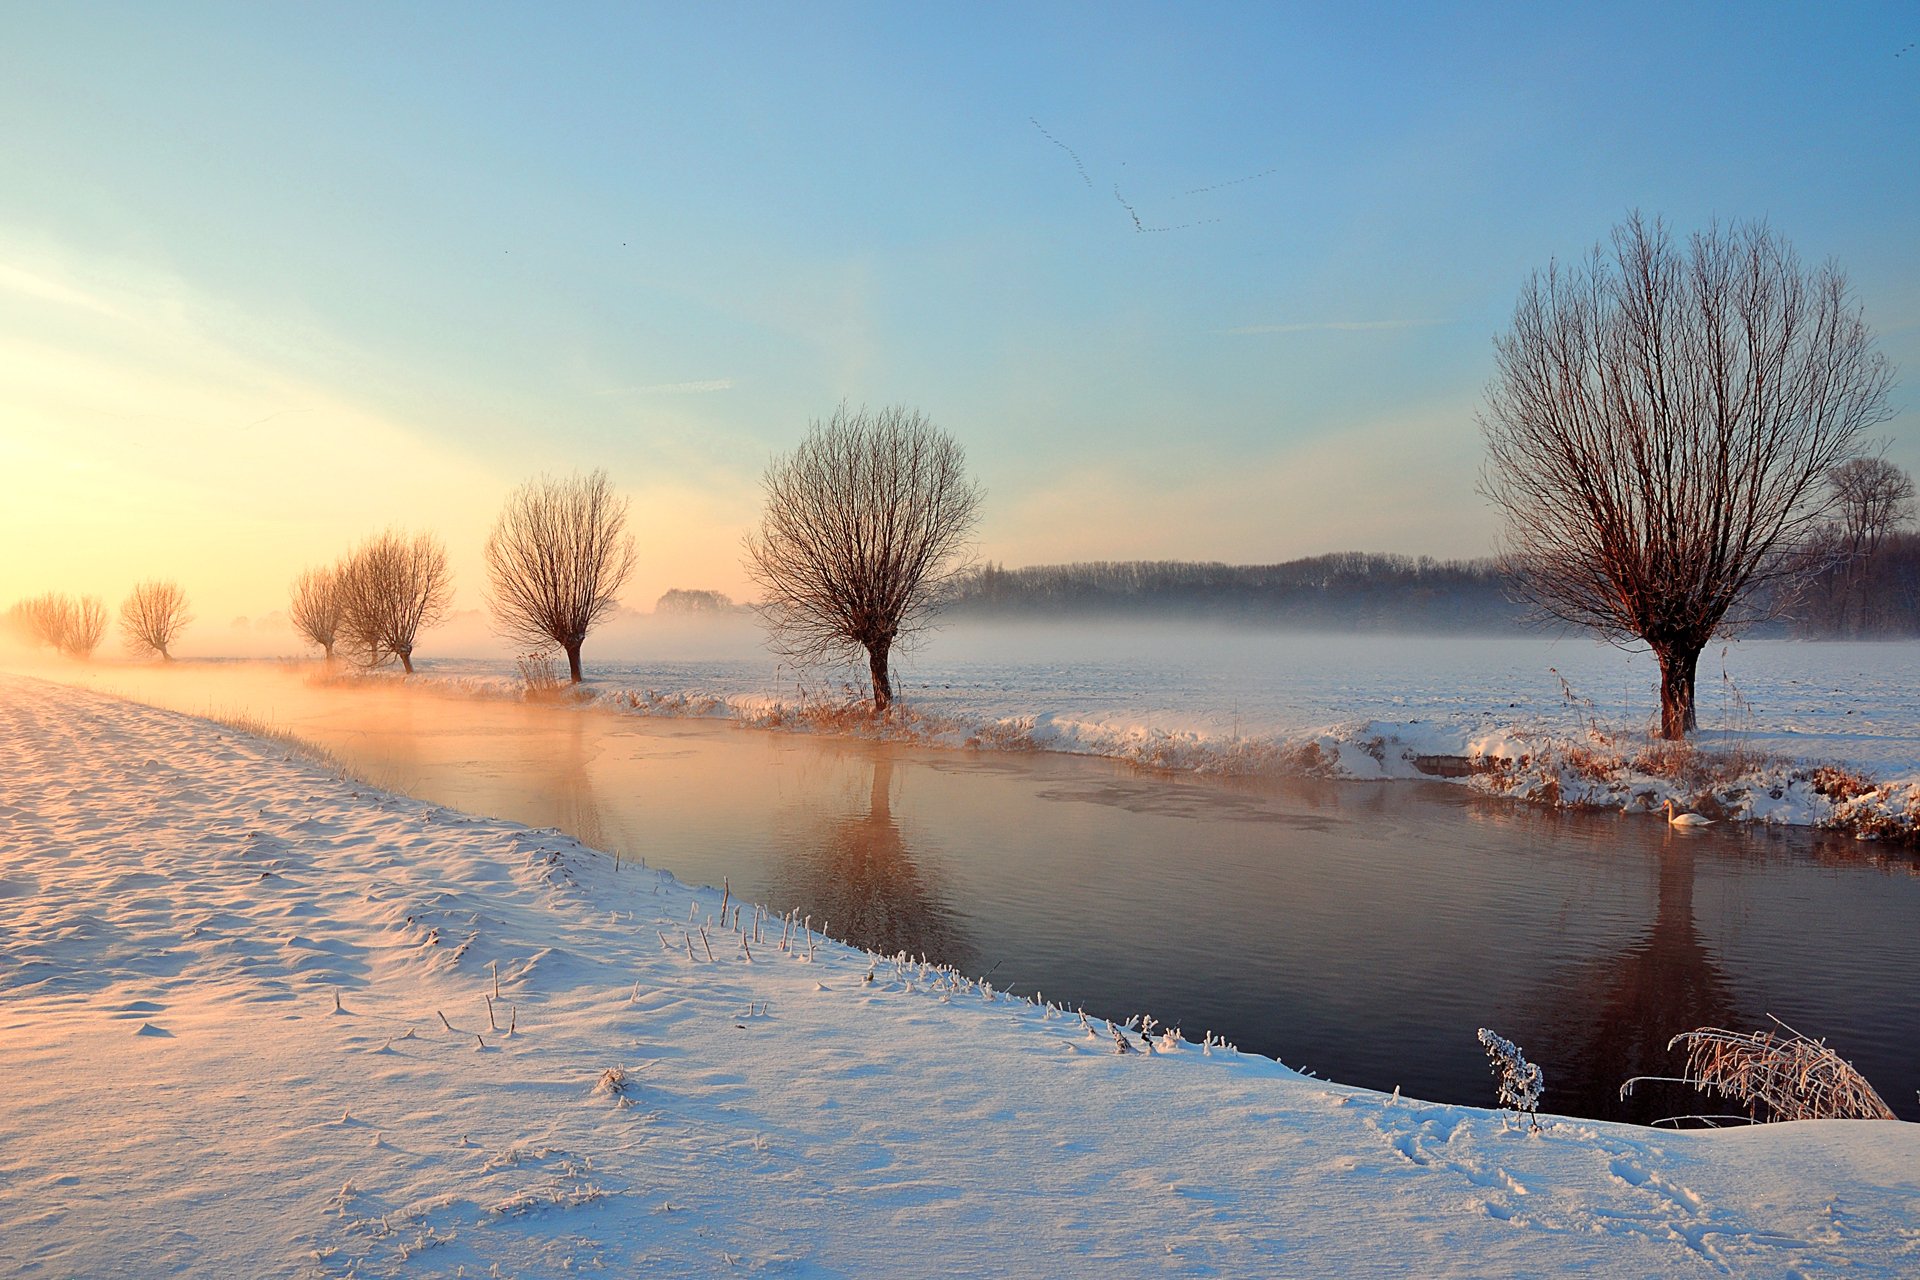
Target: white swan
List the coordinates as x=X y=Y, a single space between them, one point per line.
x=1685 y=819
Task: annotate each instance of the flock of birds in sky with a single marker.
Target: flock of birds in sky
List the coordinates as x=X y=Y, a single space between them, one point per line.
x=1140 y=225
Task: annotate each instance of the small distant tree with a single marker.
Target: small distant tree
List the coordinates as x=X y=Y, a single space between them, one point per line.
x=315 y=607
x=865 y=523
x=153 y=616
x=40 y=620
x=1873 y=499
x=680 y=600
x=390 y=588
x=556 y=560
x=1659 y=430
x=83 y=625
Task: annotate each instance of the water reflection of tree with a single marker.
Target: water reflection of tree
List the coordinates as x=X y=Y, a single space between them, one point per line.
x=565 y=790
x=854 y=871
x=1612 y=1017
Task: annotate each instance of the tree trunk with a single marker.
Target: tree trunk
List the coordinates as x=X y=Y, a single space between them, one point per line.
x=1677 y=669
x=406 y=661
x=573 y=661
x=882 y=686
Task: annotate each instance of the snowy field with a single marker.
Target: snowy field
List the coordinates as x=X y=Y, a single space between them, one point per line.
x=245 y=1030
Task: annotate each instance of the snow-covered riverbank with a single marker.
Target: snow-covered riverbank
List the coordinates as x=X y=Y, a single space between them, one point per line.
x=1793 y=732
x=223 y=976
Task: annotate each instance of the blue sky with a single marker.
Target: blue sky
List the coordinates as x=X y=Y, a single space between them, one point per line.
x=294 y=271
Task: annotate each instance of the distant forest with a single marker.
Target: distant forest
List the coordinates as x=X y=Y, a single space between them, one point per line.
x=1345 y=591
x=1877 y=595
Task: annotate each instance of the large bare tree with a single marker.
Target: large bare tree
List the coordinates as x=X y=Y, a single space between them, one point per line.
x=152 y=617
x=390 y=587
x=556 y=560
x=1660 y=429
x=865 y=522
x=316 y=606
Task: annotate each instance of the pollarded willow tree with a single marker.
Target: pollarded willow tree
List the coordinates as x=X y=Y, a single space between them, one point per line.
x=1660 y=431
x=865 y=523
x=556 y=561
x=390 y=588
x=152 y=617
x=316 y=607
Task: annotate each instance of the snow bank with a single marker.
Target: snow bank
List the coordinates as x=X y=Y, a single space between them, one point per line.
x=1567 y=751
x=262 y=1021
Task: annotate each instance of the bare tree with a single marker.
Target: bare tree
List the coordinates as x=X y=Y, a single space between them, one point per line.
x=391 y=587
x=152 y=617
x=556 y=559
x=41 y=619
x=1659 y=429
x=1874 y=497
x=865 y=522
x=315 y=607
x=83 y=625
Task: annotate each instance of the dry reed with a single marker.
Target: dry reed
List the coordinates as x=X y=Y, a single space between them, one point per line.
x=1777 y=1075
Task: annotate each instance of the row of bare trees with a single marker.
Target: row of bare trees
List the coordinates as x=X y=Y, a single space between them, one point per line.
x=151 y=618
x=1673 y=432
x=72 y=625
x=556 y=560
x=374 y=602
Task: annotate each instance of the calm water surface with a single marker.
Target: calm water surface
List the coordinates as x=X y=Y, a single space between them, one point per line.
x=1359 y=931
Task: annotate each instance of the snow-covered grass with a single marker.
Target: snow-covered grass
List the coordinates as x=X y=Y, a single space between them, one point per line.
x=258 y=1020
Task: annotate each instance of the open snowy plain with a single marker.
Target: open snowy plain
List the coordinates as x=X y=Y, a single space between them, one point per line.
x=248 y=1026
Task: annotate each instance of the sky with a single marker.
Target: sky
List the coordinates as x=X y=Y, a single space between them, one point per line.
x=1185 y=283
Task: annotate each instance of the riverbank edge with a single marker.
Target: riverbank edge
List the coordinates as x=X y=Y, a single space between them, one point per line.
x=1600 y=768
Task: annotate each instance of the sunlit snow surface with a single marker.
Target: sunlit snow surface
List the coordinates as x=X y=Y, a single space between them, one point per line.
x=245 y=1030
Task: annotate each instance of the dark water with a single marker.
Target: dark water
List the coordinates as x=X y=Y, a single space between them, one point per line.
x=1359 y=931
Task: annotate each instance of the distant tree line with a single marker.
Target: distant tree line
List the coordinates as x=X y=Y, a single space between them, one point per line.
x=1345 y=590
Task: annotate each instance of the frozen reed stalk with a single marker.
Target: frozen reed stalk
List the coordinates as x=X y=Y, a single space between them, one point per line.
x=663 y=939
x=726 y=892
x=478 y=1043
x=1119 y=1040
x=491 y=1024
x=786 y=930
x=1789 y=1075
x=336 y=1003
x=688 y=939
x=692 y=907
x=749 y=950
x=443 y=1020
x=513 y=1019
x=708 y=945
x=1521 y=1082
x=495 y=966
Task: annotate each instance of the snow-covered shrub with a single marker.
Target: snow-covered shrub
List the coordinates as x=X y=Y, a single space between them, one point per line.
x=1520 y=1081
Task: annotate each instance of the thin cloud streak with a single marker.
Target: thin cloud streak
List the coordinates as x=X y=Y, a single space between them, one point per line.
x=684 y=388
x=1332 y=326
